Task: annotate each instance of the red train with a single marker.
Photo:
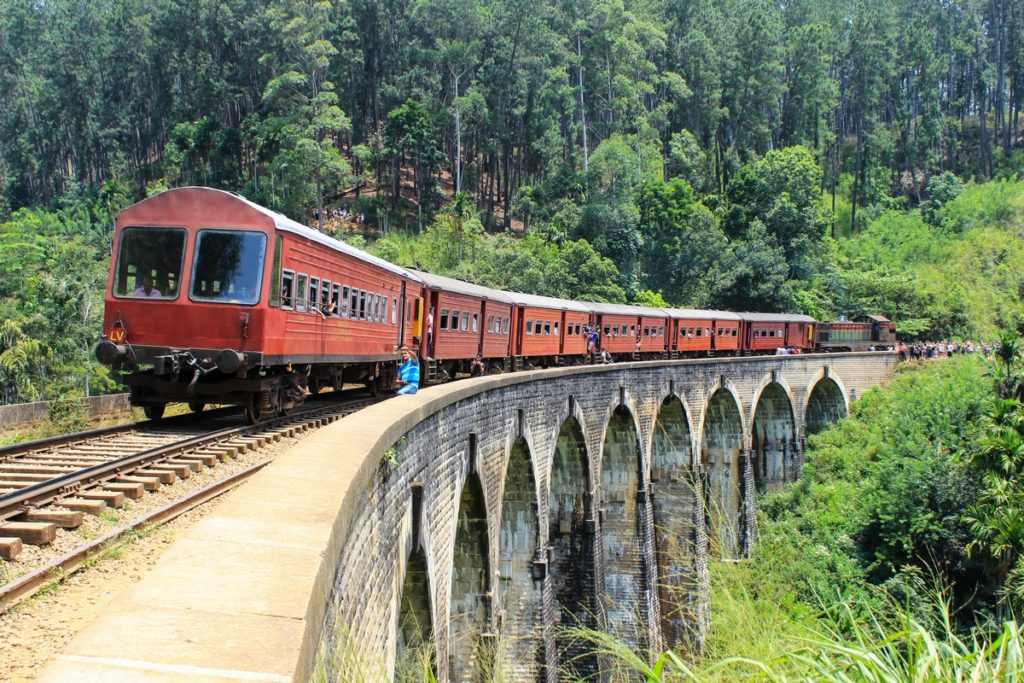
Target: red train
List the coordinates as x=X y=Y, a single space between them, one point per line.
x=214 y=299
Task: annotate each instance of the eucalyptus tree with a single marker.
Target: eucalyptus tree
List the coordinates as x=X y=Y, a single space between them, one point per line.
x=300 y=132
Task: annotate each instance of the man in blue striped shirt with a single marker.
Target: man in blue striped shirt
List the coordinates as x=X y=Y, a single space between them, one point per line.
x=408 y=373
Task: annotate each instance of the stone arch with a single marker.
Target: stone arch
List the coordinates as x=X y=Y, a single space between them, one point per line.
x=623 y=400
x=571 y=538
x=773 y=436
x=470 y=583
x=521 y=597
x=827 y=402
x=622 y=531
x=676 y=511
x=721 y=444
x=415 y=652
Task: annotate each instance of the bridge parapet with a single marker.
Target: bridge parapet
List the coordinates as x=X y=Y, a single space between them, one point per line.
x=481 y=515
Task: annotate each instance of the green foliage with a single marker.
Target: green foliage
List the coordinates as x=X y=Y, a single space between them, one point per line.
x=885 y=489
x=963 y=278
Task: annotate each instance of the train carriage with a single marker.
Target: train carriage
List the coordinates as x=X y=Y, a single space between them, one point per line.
x=767 y=332
x=695 y=332
x=548 y=328
x=628 y=330
x=467 y=320
x=214 y=299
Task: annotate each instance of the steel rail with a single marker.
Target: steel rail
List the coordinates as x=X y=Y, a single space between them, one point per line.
x=24 y=447
x=28 y=584
x=43 y=493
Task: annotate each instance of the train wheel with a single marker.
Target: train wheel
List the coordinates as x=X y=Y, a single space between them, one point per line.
x=252 y=413
x=282 y=396
x=196 y=406
x=154 y=411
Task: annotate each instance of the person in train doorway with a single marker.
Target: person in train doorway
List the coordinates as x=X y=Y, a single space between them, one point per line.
x=476 y=368
x=408 y=373
x=430 y=333
x=146 y=289
x=593 y=343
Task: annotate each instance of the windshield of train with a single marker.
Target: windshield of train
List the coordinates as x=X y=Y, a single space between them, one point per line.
x=149 y=263
x=228 y=266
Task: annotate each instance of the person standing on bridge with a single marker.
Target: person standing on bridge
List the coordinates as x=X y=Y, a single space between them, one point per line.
x=408 y=373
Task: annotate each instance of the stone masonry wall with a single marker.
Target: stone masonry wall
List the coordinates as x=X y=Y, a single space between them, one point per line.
x=435 y=440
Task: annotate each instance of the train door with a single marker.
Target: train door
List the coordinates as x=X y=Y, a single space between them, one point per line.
x=430 y=333
x=401 y=316
x=480 y=327
x=517 y=348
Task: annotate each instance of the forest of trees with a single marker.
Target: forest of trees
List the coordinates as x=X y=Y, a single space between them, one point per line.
x=734 y=154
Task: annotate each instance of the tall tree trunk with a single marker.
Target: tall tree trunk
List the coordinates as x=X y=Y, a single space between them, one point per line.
x=583 y=107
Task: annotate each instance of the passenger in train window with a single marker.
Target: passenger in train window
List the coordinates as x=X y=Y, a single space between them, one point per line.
x=146 y=289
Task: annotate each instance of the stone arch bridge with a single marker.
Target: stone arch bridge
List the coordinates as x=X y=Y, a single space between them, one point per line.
x=465 y=526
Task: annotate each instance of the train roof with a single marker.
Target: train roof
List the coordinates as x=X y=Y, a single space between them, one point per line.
x=538 y=301
x=700 y=314
x=624 y=309
x=283 y=223
x=460 y=287
x=776 y=318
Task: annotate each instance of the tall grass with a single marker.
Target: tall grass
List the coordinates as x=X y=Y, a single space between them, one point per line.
x=849 y=641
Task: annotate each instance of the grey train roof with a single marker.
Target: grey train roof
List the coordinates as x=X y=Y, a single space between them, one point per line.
x=700 y=314
x=461 y=287
x=539 y=301
x=624 y=309
x=776 y=318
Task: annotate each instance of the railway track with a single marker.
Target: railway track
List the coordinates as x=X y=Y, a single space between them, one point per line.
x=54 y=483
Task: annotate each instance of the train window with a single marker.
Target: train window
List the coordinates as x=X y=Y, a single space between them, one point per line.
x=314 y=291
x=325 y=293
x=547 y=327
x=529 y=327
x=505 y=326
x=607 y=330
x=287 y=288
x=362 y=305
x=154 y=253
x=453 y=321
x=699 y=332
x=476 y=321
x=490 y=324
x=343 y=308
x=465 y=321
x=300 y=292
x=394 y=310
x=647 y=331
x=353 y=303
x=378 y=308
x=336 y=299
x=275 y=294
x=661 y=331
x=228 y=266
x=444 y=318
x=555 y=331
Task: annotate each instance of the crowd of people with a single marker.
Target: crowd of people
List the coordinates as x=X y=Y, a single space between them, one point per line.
x=943 y=349
x=342 y=215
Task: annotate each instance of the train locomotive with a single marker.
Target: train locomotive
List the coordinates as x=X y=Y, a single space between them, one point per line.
x=213 y=299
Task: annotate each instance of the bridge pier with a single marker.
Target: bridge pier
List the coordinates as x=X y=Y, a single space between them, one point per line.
x=510 y=505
